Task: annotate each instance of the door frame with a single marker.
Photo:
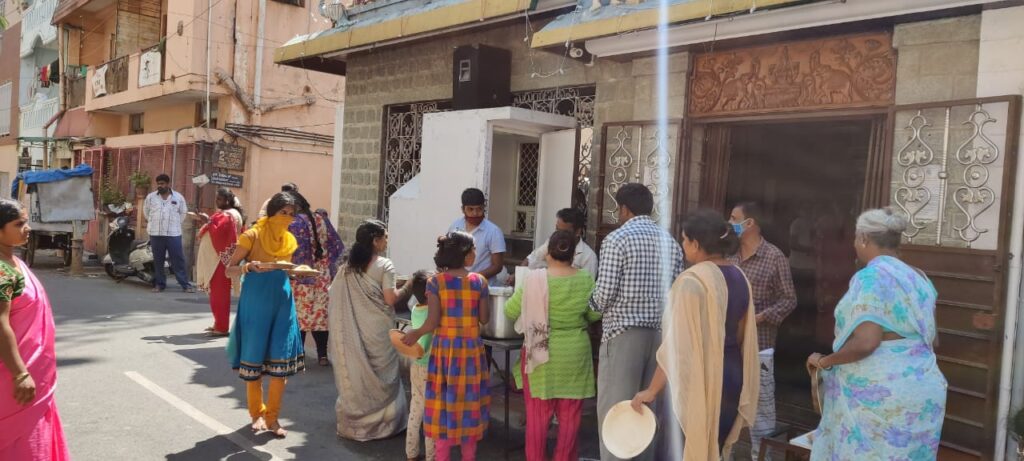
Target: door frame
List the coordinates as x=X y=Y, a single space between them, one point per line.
x=876 y=114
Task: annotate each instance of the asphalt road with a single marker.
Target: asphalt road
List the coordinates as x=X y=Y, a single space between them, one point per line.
x=139 y=381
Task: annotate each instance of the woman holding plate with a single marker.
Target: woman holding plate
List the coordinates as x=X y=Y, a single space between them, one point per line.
x=265 y=339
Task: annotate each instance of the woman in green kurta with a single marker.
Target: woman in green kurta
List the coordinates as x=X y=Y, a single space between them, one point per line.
x=557 y=367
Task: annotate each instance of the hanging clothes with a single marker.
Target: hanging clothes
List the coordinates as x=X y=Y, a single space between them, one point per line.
x=55 y=71
x=44 y=76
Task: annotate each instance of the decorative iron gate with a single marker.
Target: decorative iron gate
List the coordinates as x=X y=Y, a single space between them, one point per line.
x=402 y=135
x=953 y=167
x=636 y=152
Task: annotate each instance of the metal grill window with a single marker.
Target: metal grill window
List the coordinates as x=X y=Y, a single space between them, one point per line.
x=529 y=157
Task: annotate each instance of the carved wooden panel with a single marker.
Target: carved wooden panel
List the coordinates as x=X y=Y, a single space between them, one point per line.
x=849 y=71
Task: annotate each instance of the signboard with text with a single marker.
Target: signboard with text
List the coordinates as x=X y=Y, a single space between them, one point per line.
x=229 y=156
x=226 y=180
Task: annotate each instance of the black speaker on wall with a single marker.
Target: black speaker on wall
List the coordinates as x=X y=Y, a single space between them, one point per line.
x=481 y=77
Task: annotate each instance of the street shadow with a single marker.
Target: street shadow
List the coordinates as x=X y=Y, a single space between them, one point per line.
x=221 y=448
x=63 y=363
x=184 y=340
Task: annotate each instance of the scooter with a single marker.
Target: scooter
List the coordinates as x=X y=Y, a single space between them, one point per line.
x=127 y=257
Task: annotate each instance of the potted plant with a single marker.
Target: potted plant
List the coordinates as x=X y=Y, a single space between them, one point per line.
x=111 y=196
x=1016 y=428
x=142 y=182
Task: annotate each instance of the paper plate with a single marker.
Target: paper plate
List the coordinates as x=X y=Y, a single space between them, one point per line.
x=627 y=433
x=415 y=351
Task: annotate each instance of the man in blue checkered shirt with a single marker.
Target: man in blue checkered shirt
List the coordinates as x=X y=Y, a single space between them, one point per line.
x=638 y=263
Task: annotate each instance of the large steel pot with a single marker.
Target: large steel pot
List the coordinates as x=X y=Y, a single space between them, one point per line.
x=499 y=327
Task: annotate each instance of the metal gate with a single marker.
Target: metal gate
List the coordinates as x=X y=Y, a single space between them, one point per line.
x=953 y=166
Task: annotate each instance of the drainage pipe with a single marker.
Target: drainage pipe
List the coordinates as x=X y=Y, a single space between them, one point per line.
x=174 y=155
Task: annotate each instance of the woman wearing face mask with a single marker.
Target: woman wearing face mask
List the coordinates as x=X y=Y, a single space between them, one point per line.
x=28 y=365
x=708 y=355
x=371 y=399
x=265 y=339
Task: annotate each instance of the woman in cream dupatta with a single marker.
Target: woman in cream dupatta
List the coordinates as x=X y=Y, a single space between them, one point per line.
x=217 y=240
x=708 y=355
x=371 y=398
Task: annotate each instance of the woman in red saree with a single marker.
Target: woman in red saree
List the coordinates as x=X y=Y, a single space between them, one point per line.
x=28 y=365
x=216 y=244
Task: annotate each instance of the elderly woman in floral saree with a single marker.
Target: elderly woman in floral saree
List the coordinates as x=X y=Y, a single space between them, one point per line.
x=884 y=394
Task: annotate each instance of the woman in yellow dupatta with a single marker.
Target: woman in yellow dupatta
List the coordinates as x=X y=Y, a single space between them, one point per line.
x=265 y=339
x=708 y=355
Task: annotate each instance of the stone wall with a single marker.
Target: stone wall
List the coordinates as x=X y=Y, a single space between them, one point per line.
x=937 y=60
x=422 y=71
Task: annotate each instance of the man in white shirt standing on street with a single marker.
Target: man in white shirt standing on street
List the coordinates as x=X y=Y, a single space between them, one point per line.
x=165 y=210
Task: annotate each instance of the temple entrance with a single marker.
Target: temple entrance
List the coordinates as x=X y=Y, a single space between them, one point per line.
x=809 y=179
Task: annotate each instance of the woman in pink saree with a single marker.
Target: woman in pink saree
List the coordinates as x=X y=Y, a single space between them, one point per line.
x=28 y=364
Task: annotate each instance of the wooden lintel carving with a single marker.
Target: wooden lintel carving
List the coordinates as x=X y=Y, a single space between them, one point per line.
x=835 y=72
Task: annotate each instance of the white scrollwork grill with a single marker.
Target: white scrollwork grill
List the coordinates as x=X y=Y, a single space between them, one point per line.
x=635 y=153
x=947 y=174
x=400 y=147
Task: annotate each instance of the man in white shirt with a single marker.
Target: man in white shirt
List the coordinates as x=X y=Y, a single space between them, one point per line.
x=572 y=220
x=164 y=211
x=488 y=237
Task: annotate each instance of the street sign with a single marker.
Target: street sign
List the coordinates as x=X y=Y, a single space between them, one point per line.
x=201 y=180
x=226 y=180
x=229 y=156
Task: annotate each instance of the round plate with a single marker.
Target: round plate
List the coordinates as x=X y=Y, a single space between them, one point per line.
x=415 y=351
x=627 y=433
x=304 y=274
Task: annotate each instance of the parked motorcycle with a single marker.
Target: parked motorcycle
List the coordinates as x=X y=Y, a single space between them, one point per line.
x=127 y=257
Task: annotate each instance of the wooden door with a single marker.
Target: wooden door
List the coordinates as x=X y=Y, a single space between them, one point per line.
x=952 y=167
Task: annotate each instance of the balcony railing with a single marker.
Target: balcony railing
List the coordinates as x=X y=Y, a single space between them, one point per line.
x=34 y=116
x=115 y=77
x=35 y=24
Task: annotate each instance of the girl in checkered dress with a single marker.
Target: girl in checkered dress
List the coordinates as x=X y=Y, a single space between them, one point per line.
x=457 y=375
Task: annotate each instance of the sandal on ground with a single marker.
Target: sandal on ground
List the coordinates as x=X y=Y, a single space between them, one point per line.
x=323 y=361
x=217 y=334
x=259 y=424
x=209 y=329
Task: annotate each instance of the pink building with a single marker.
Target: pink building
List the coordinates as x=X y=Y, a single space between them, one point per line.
x=192 y=89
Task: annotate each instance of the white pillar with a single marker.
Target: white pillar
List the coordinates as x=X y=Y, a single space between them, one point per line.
x=1001 y=72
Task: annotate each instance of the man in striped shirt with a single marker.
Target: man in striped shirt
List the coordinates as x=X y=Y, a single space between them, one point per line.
x=638 y=263
x=164 y=211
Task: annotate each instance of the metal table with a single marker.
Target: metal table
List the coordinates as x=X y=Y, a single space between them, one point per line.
x=506 y=345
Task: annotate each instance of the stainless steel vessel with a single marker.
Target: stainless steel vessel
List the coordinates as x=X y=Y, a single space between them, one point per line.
x=499 y=327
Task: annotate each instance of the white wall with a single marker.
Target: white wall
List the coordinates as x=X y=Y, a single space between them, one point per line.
x=501 y=201
x=1001 y=72
x=456 y=154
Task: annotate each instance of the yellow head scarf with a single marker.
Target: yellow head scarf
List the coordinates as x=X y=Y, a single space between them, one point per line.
x=275 y=240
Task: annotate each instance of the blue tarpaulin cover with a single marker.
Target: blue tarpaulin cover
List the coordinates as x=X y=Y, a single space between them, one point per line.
x=41 y=176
